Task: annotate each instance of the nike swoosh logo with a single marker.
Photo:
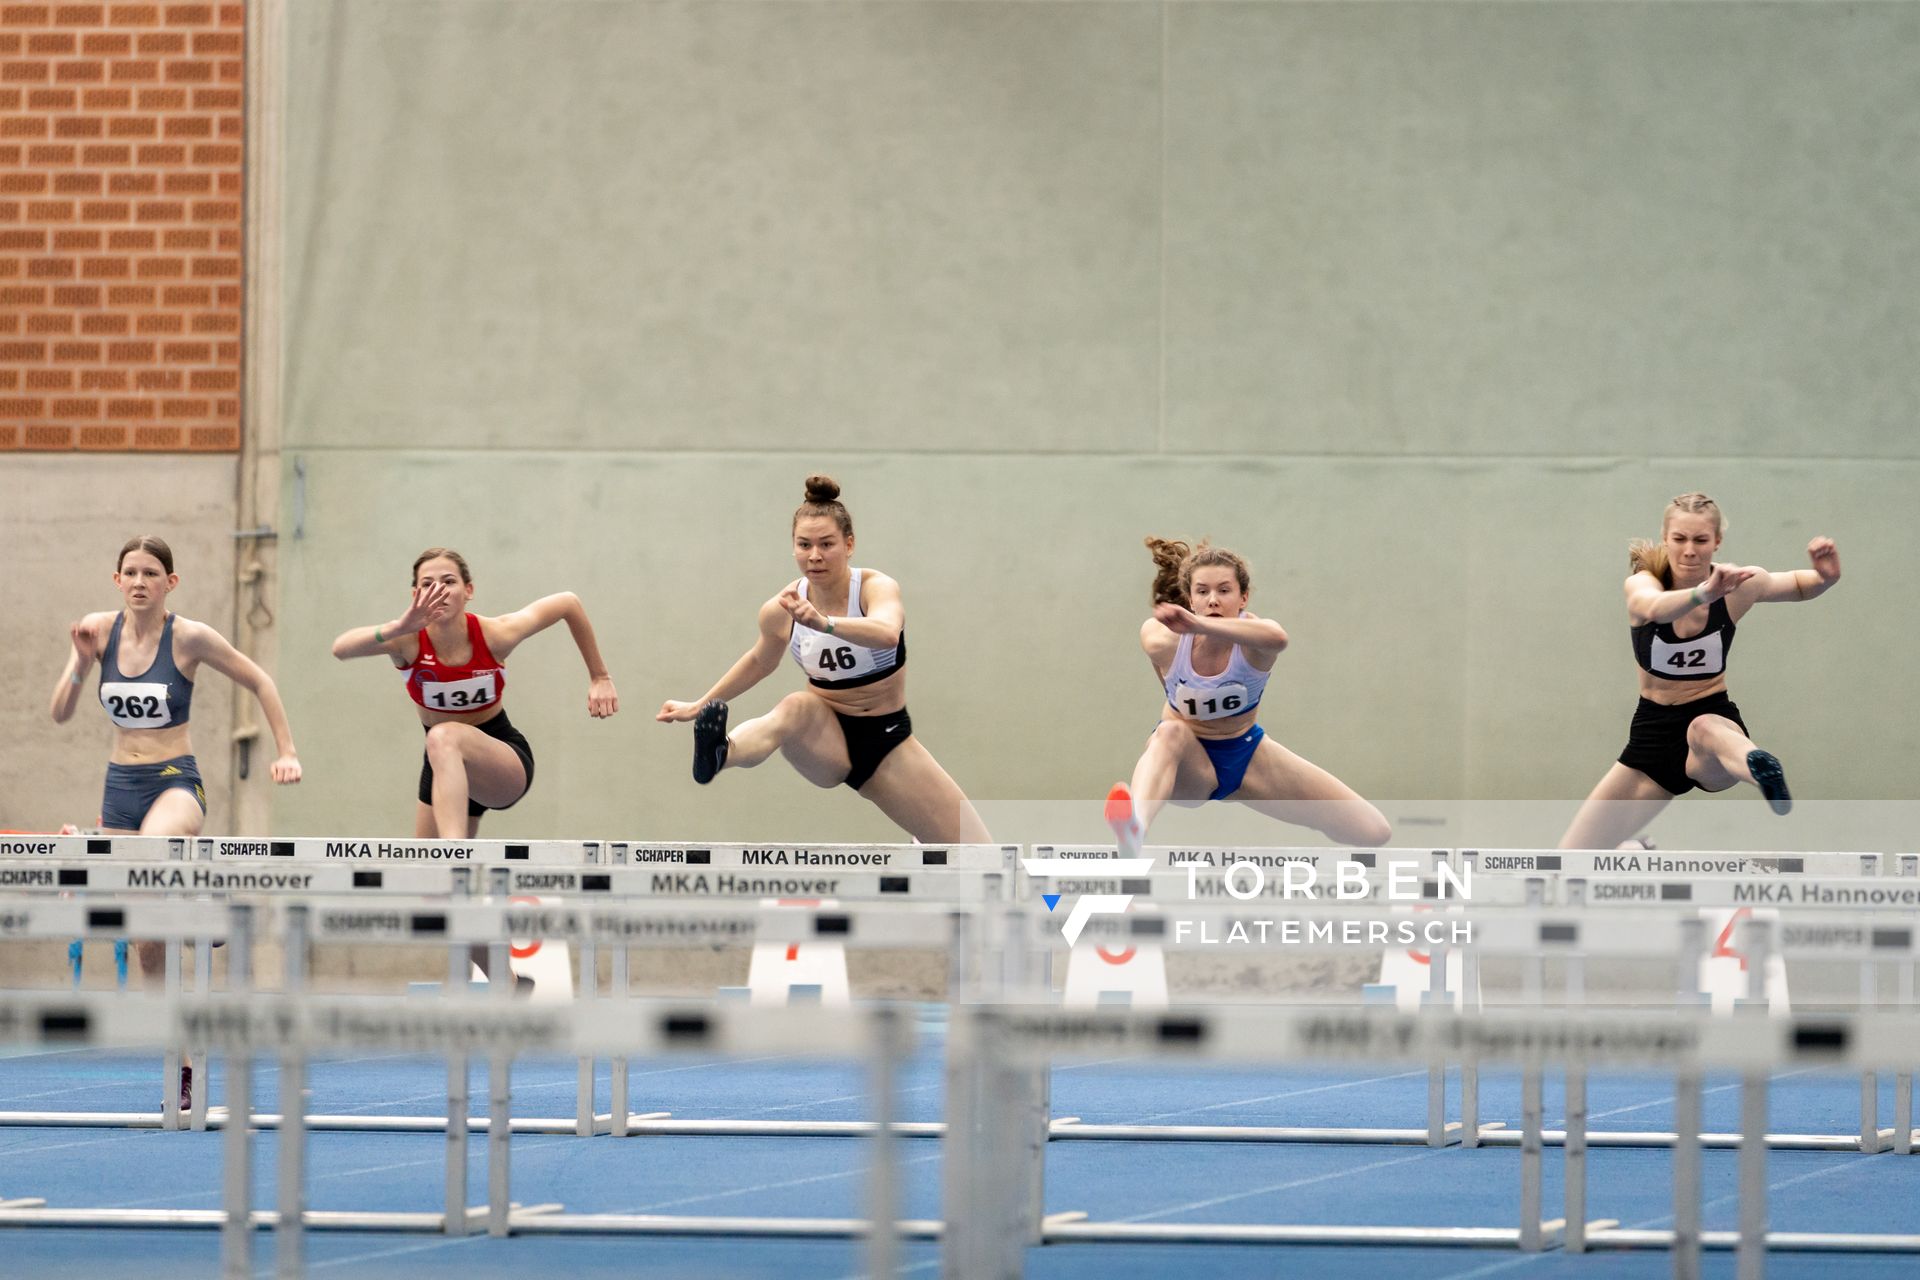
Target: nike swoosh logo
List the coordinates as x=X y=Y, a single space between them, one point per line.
x=892 y=728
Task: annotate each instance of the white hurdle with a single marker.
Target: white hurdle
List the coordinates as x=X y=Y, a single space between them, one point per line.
x=991 y=1221
x=973 y=902
x=301 y=1025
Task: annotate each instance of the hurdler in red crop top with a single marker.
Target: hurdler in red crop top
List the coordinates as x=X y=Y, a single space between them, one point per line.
x=438 y=685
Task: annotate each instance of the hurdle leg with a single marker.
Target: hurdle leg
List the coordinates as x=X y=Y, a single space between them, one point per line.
x=584 y=1123
x=960 y=966
x=1750 y=1262
x=622 y=1109
x=1007 y=1144
x=1574 y=1156
x=1039 y=1132
x=883 y=1214
x=1871 y=1142
x=959 y=1151
x=1530 y=1160
x=170 y=1070
x=203 y=1078
x=457 y=1106
x=236 y=1233
x=289 y=1236
x=1435 y=997
x=1686 y=1177
x=1903 y=1114
x=500 y=1109
x=980 y=1240
x=1903 y=1081
x=1470 y=1071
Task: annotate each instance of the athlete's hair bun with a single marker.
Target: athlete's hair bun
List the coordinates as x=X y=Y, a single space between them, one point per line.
x=822 y=489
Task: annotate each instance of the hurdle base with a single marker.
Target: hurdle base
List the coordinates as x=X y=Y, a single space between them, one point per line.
x=638 y=1125
x=521 y=1223
x=1655 y=1138
x=1784 y=1241
x=1242 y=1133
x=1252 y=1233
x=216 y=1219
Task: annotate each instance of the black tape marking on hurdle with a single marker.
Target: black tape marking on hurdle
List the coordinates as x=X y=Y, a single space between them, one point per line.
x=680 y=1027
x=1181 y=1031
x=1820 y=1038
x=64 y=1024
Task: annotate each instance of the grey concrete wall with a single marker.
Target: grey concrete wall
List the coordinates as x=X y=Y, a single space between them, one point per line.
x=1426 y=308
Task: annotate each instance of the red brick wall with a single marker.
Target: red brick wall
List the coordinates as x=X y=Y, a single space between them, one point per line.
x=122 y=138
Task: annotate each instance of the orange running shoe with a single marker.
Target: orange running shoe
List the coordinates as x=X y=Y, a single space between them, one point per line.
x=1120 y=816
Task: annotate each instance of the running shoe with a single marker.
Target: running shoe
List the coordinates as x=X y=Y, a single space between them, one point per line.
x=1120 y=816
x=1770 y=778
x=709 y=741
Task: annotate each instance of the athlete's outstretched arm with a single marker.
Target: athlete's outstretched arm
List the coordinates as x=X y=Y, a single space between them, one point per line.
x=430 y=603
x=755 y=665
x=202 y=643
x=1259 y=635
x=1648 y=601
x=509 y=629
x=1799 y=584
x=85 y=635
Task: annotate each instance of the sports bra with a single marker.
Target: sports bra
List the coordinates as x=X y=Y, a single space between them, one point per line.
x=1659 y=652
x=438 y=685
x=155 y=699
x=1234 y=691
x=831 y=662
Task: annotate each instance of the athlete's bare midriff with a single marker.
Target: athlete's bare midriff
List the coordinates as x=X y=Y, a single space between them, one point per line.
x=882 y=697
x=1226 y=727
x=430 y=718
x=150 y=746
